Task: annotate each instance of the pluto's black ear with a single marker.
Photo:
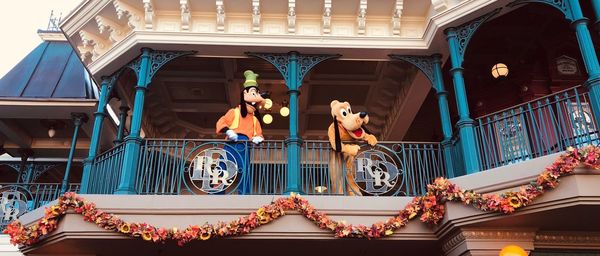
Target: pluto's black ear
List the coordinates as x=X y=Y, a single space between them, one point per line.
x=243 y=107
x=338 y=141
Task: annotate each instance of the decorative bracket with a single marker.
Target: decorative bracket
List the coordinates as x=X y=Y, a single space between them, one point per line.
x=423 y=63
x=115 y=31
x=396 y=16
x=132 y=14
x=464 y=32
x=157 y=59
x=220 y=16
x=186 y=15
x=361 y=19
x=283 y=62
x=148 y=14
x=291 y=16
x=561 y=5
x=327 y=17
x=255 y=16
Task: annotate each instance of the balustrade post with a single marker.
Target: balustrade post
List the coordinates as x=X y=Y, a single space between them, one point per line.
x=145 y=68
x=293 y=66
x=105 y=89
x=78 y=120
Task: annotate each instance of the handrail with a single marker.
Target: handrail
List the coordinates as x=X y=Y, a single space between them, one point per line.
x=530 y=101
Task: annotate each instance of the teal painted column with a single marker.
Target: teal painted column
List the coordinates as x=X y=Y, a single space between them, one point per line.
x=145 y=67
x=588 y=52
x=95 y=139
x=78 y=120
x=465 y=124
x=133 y=141
x=442 y=97
x=122 y=122
x=293 y=66
x=596 y=7
x=431 y=66
x=293 y=142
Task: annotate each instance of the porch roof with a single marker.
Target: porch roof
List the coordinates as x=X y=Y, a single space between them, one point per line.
x=52 y=71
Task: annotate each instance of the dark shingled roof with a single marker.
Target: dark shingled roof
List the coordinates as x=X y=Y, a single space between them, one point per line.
x=51 y=70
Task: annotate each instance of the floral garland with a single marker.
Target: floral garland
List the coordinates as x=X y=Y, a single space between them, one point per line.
x=430 y=207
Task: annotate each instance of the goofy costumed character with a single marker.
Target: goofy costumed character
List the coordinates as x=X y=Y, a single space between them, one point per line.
x=243 y=123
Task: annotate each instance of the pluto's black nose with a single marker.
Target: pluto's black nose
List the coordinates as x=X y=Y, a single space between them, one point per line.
x=362 y=114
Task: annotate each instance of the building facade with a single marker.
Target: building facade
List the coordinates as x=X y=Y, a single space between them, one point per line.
x=485 y=92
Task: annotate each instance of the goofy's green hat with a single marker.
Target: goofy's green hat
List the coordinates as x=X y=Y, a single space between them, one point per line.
x=250 y=79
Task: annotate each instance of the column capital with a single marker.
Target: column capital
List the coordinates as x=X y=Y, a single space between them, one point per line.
x=79 y=118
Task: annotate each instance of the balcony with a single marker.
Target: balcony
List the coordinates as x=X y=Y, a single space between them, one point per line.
x=180 y=167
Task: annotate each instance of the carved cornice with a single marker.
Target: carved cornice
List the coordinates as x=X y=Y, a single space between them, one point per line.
x=566 y=239
x=487 y=235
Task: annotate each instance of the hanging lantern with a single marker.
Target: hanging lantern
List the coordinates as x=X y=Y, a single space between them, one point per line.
x=267 y=119
x=500 y=70
x=284 y=111
x=268 y=104
x=513 y=250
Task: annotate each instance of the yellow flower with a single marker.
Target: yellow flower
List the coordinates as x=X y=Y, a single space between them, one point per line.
x=205 y=236
x=125 y=228
x=260 y=212
x=264 y=220
x=412 y=215
x=147 y=236
x=389 y=232
x=55 y=209
x=514 y=202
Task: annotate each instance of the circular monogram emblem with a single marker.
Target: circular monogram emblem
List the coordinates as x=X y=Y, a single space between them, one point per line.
x=376 y=172
x=12 y=204
x=215 y=169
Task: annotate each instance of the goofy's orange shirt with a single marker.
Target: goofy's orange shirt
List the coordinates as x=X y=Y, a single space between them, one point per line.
x=233 y=120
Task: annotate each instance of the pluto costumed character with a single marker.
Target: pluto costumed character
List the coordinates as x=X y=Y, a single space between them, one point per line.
x=243 y=123
x=346 y=127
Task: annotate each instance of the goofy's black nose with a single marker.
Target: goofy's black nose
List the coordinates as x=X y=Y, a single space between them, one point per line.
x=265 y=94
x=362 y=114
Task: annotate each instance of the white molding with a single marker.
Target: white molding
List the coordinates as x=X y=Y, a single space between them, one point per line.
x=51 y=36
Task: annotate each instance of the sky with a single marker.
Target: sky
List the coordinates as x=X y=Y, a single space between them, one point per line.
x=20 y=21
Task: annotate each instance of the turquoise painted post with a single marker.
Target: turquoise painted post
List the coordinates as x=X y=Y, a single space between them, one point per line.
x=588 y=52
x=145 y=68
x=78 y=120
x=431 y=66
x=133 y=141
x=465 y=124
x=442 y=97
x=293 y=66
x=95 y=139
x=122 y=122
x=596 y=7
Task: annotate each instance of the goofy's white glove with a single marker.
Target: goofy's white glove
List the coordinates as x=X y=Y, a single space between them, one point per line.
x=231 y=135
x=257 y=139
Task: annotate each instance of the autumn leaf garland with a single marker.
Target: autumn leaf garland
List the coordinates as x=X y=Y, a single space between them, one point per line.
x=430 y=207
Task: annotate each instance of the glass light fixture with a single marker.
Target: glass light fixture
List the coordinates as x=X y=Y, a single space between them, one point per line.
x=268 y=104
x=267 y=119
x=513 y=250
x=284 y=111
x=51 y=132
x=500 y=70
